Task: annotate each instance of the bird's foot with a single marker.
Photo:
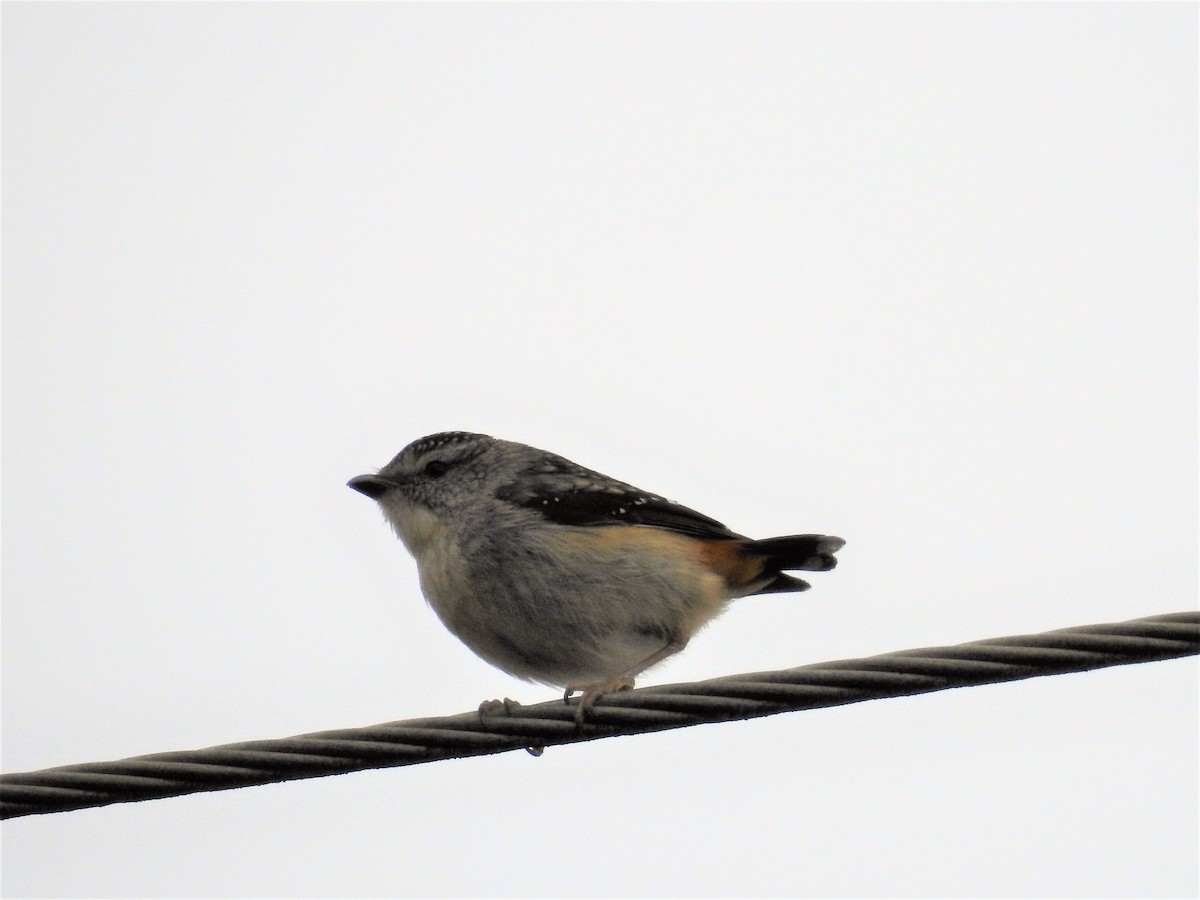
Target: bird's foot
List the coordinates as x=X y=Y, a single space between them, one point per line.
x=487 y=707
x=591 y=692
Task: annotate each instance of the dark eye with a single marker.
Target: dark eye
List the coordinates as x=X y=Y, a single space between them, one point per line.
x=436 y=468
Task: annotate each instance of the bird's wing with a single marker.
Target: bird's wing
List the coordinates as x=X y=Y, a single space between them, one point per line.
x=569 y=494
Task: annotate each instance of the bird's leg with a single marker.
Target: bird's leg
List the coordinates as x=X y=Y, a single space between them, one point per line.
x=622 y=681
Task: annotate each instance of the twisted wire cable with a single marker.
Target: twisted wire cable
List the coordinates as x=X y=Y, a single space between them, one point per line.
x=649 y=709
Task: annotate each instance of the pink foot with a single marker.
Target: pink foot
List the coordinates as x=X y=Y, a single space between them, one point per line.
x=591 y=692
x=487 y=707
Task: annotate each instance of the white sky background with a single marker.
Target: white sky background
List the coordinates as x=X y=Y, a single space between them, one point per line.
x=920 y=276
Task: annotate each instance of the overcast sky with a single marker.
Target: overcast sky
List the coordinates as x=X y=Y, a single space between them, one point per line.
x=922 y=276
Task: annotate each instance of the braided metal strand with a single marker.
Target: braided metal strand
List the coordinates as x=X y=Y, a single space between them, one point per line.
x=648 y=709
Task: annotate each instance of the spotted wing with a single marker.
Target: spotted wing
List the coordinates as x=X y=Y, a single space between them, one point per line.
x=569 y=494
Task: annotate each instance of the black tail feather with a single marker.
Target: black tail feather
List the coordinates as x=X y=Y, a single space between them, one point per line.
x=807 y=552
x=784 y=584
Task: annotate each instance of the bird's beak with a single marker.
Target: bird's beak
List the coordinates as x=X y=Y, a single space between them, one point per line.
x=372 y=485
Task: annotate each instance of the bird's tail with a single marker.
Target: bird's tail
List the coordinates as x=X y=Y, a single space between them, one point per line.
x=806 y=552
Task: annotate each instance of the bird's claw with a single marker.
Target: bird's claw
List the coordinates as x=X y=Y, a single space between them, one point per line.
x=487 y=707
x=592 y=692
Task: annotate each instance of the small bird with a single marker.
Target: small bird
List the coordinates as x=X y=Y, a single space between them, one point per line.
x=558 y=574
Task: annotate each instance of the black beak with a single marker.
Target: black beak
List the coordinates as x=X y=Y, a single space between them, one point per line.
x=371 y=485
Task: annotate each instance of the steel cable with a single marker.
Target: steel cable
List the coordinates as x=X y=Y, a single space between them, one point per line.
x=644 y=710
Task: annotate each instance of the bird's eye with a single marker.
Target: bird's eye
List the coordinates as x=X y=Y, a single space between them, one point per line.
x=436 y=468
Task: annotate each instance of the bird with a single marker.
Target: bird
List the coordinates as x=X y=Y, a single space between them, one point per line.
x=558 y=574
